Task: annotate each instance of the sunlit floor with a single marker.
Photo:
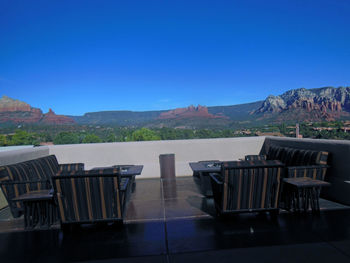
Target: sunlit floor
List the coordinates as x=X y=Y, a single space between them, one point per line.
x=171 y=221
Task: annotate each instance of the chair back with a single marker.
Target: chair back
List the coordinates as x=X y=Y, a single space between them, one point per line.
x=89 y=196
x=251 y=185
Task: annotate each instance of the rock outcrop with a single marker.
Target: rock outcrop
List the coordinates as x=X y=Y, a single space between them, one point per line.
x=189 y=112
x=15 y=111
x=315 y=104
x=52 y=118
x=10 y=105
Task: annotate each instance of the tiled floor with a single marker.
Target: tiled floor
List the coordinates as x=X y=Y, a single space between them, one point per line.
x=170 y=221
x=154 y=199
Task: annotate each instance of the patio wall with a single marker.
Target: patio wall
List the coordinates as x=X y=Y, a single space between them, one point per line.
x=339 y=160
x=11 y=155
x=147 y=153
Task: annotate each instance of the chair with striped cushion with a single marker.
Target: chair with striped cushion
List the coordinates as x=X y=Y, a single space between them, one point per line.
x=299 y=162
x=32 y=175
x=246 y=186
x=18 y=179
x=92 y=196
x=52 y=163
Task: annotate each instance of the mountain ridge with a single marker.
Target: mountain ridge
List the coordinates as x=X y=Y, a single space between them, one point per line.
x=320 y=104
x=326 y=103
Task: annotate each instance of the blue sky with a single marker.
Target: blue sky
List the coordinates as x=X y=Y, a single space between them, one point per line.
x=85 y=56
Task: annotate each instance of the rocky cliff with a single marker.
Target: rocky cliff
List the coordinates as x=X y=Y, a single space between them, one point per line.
x=189 y=112
x=310 y=105
x=15 y=111
x=10 y=105
x=52 y=118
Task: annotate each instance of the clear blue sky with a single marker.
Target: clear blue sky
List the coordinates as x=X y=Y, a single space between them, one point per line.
x=84 y=56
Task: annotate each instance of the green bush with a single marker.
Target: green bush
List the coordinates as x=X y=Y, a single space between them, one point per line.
x=66 y=138
x=91 y=138
x=144 y=134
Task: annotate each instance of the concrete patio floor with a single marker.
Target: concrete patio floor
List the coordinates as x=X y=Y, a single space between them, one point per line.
x=171 y=221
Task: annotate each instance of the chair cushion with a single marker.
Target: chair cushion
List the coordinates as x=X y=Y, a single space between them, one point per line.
x=16 y=172
x=297 y=157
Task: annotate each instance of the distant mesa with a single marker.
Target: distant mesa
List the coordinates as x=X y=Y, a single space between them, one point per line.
x=16 y=111
x=189 y=112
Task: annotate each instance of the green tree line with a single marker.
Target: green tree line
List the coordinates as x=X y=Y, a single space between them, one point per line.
x=89 y=134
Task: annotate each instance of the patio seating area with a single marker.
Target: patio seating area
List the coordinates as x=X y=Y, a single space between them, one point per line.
x=171 y=221
x=113 y=217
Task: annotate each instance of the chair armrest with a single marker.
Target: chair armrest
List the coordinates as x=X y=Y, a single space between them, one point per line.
x=303 y=167
x=71 y=167
x=13 y=189
x=255 y=157
x=311 y=171
x=216 y=179
x=23 y=182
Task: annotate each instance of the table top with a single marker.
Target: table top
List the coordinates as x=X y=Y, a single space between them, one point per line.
x=35 y=195
x=126 y=170
x=301 y=182
x=215 y=166
x=206 y=166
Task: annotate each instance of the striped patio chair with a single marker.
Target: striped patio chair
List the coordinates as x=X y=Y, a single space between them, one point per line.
x=18 y=179
x=247 y=186
x=92 y=196
x=24 y=177
x=298 y=162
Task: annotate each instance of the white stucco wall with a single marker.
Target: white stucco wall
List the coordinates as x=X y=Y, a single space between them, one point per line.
x=147 y=153
x=11 y=155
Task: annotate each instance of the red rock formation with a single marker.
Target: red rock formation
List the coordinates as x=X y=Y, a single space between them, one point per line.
x=189 y=112
x=309 y=105
x=52 y=118
x=10 y=105
x=20 y=112
x=32 y=116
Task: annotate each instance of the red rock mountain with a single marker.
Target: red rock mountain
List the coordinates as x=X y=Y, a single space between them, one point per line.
x=16 y=111
x=308 y=105
x=189 y=112
x=52 y=118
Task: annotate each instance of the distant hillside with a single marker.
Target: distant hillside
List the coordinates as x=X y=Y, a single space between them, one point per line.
x=190 y=112
x=123 y=118
x=240 y=112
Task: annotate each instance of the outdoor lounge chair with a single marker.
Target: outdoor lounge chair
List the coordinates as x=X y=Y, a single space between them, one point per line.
x=244 y=186
x=98 y=195
x=298 y=162
x=21 y=178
